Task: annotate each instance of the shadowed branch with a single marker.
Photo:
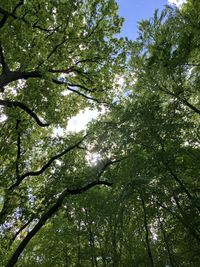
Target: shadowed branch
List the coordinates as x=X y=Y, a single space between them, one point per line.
x=48 y=214
x=7 y=14
x=13 y=104
x=18 y=149
x=47 y=165
x=5 y=68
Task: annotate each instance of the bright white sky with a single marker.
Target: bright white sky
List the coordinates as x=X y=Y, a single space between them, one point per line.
x=80 y=121
x=177 y=2
x=129 y=9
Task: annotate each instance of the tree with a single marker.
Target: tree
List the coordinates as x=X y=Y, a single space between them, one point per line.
x=57 y=58
x=146 y=145
x=157 y=128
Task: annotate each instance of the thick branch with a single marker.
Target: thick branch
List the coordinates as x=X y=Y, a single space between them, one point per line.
x=16 y=75
x=107 y=164
x=48 y=214
x=12 y=104
x=87 y=187
x=12 y=76
x=3 y=21
x=20 y=3
x=47 y=165
x=147 y=232
x=18 y=149
x=12 y=261
x=6 y=14
x=5 y=68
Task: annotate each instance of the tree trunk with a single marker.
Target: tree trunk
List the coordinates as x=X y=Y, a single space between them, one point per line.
x=147 y=232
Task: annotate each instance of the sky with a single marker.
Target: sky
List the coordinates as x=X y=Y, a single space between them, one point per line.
x=135 y=10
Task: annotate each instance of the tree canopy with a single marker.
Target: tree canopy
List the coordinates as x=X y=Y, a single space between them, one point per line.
x=138 y=202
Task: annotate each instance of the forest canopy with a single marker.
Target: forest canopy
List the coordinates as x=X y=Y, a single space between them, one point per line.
x=138 y=202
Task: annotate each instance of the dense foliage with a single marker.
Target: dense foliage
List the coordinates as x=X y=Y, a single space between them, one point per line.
x=138 y=203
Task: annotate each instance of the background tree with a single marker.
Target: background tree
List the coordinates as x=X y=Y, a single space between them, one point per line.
x=157 y=127
x=56 y=58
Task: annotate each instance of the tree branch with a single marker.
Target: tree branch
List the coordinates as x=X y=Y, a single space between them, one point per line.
x=166 y=242
x=107 y=164
x=16 y=75
x=180 y=219
x=12 y=76
x=5 y=68
x=189 y=105
x=20 y=3
x=12 y=104
x=178 y=180
x=18 y=149
x=180 y=99
x=46 y=165
x=7 y=14
x=53 y=51
x=147 y=232
x=45 y=30
x=72 y=68
x=3 y=20
x=47 y=215
x=81 y=86
x=78 y=191
x=21 y=229
x=85 y=96
x=75 y=91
